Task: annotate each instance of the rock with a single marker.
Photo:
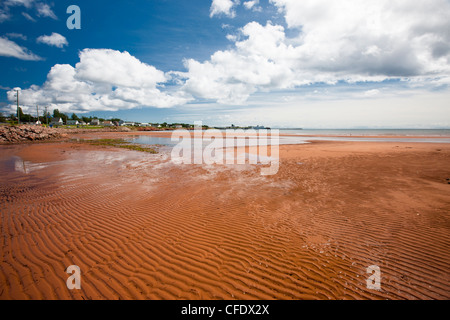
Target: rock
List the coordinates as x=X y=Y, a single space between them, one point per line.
x=16 y=134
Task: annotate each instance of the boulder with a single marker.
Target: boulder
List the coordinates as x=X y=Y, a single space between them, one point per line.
x=17 y=134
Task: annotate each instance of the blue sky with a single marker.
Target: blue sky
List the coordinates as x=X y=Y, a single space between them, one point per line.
x=284 y=63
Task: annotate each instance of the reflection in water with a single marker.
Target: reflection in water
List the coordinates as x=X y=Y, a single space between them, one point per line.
x=17 y=164
x=20 y=166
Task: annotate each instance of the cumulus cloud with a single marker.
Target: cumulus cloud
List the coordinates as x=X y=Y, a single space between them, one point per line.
x=103 y=80
x=371 y=38
x=328 y=42
x=255 y=63
x=9 y=48
x=349 y=40
x=117 y=68
x=225 y=7
x=55 y=39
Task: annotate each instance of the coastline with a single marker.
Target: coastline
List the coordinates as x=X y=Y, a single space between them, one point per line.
x=141 y=227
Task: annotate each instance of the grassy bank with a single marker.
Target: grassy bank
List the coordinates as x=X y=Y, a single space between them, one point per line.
x=118 y=143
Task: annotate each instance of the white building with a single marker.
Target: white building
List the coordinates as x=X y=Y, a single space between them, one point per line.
x=57 y=122
x=127 y=123
x=73 y=122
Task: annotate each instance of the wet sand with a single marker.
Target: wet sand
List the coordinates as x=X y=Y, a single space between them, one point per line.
x=140 y=227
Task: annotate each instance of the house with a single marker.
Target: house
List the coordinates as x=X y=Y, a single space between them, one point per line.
x=73 y=122
x=124 y=123
x=82 y=123
x=95 y=122
x=56 y=122
x=107 y=123
x=178 y=126
x=34 y=123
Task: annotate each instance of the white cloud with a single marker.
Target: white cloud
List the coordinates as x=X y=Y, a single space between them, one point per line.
x=225 y=7
x=105 y=80
x=231 y=37
x=4 y=16
x=353 y=38
x=117 y=68
x=371 y=93
x=28 y=17
x=258 y=62
x=55 y=39
x=25 y=3
x=14 y=35
x=349 y=40
x=44 y=10
x=9 y=48
x=252 y=5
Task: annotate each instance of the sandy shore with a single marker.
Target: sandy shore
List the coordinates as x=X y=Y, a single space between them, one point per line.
x=140 y=227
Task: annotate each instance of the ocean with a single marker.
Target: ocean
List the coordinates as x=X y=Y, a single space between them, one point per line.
x=370 y=132
x=297 y=136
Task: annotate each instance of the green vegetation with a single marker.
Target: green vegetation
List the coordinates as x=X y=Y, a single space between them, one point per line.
x=119 y=143
x=63 y=116
x=47 y=117
x=82 y=127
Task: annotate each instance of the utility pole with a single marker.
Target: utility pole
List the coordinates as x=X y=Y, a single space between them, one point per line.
x=46 y=116
x=18 y=114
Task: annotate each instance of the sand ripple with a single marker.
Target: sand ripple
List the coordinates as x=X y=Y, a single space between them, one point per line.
x=142 y=229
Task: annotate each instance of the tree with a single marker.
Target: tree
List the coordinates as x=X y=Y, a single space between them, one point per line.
x=21 y=115
x=46 y=118
x=86 y=119
x=74 y=117
x=57 y=114
x=2 y=118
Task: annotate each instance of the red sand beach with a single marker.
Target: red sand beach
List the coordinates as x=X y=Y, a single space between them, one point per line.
x=140 y=227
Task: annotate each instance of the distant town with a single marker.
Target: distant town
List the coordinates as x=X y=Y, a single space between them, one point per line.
x=59 y=119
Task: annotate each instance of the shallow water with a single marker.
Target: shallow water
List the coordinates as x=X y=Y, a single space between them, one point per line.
x=285 y=140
